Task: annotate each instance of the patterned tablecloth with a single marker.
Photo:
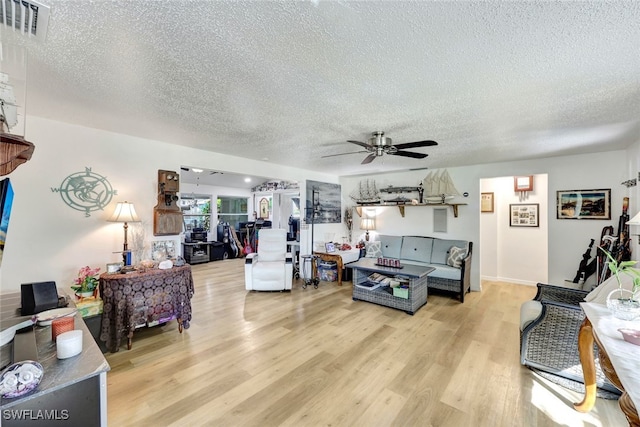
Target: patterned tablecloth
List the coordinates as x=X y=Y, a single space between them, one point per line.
x=144 y=298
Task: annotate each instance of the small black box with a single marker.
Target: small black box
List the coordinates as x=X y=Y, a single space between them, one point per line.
x=37 y=297
x=216 y=251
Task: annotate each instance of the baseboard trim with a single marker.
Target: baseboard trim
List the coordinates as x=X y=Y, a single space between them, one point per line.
x=507 y=280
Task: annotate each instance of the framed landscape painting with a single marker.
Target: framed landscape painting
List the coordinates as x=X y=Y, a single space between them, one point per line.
x=584 y=204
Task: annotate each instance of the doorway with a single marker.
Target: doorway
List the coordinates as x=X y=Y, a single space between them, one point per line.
x=510 y=251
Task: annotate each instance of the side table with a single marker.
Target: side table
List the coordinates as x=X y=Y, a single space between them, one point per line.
x=146 y=298
x=340 y=258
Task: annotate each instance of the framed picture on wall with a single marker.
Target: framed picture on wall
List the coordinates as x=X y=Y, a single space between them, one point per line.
x=524 y=215
x=584 y=204
x=264 y=208
x=486 y=202
x=523 y=183
x=323 y=204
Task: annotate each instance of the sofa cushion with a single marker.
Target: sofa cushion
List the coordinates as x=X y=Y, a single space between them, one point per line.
x=373 y=249
x=456 y=255
x=444 y=272
x=415 y=248
x=390 y=246
x=441 y=249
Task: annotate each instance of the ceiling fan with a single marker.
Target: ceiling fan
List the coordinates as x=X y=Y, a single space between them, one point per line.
x=379 y=144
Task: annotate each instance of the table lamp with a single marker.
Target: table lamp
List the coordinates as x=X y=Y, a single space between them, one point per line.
x=367 y=224
x=125 y=212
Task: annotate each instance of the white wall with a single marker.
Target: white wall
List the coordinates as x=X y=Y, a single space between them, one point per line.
x=513 y=254
x=633 y=171
x=567 y=239
x=48 y=240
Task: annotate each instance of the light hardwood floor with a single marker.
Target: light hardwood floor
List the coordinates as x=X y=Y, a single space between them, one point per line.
x=315 y=357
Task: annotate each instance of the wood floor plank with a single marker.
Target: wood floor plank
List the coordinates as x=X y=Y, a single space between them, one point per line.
x=315 y=357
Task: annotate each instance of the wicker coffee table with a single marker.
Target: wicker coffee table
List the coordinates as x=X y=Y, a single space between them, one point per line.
x=417 y=275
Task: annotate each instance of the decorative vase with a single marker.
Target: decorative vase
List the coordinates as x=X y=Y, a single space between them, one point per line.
x=623 y=304
x=86 y=294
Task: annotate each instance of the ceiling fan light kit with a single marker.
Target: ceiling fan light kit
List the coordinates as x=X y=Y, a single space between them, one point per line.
x=379 y=145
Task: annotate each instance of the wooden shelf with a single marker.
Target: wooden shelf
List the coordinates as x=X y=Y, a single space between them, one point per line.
x=454 y=207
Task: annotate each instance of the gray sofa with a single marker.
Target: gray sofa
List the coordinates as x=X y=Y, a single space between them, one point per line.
x=433 y=252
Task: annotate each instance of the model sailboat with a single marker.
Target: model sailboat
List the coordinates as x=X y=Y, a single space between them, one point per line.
x=439 y=187
x=367 y=193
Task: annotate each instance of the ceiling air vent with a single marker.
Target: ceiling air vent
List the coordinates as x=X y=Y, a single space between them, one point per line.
x=31 y=18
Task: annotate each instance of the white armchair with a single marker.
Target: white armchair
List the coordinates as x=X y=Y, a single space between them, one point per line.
x=271 y=268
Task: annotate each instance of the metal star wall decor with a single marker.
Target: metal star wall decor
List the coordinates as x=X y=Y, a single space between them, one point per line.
x=86 y=191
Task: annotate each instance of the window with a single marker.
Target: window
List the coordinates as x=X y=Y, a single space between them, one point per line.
x=196 y=212
x=233 y=210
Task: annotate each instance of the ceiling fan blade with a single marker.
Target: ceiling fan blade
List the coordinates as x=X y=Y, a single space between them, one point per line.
x=369 y=158
x=415 y=144
x=362 y=144
x=409 y=154
x=342 y=154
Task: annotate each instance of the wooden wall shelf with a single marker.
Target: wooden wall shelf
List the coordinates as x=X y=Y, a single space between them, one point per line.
x=454 y=207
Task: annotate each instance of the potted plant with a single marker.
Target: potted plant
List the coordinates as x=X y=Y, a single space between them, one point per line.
x=86 y=284
x=624 y=303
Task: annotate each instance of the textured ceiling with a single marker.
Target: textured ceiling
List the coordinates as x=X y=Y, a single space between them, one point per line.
x=292 y=81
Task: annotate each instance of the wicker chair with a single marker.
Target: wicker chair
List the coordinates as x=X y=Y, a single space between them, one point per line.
x=549 y=341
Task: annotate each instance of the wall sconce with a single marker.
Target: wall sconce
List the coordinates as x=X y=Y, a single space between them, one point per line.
x=367 y=224
x=125 y=212
x=635 y=221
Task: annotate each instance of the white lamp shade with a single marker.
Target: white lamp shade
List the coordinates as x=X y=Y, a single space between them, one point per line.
x=125 y=212
x=367 y=224
x=635 y=220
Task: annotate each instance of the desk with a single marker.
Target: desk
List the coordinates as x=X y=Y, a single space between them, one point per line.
x=339 y=257
x=144 y=299
x=618 y=358
x=74 y=389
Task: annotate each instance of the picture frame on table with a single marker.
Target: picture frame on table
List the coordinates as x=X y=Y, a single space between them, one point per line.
x=329 y=247
x=584 y=204
x=486 y=202
x=524 y=215
x=163 y=249
x=114 y=267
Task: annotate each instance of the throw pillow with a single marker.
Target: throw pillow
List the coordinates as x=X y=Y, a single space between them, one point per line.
x=456 y=255
x=373 y=249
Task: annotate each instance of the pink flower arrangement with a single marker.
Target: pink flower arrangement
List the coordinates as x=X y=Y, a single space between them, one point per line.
x=87 y=280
